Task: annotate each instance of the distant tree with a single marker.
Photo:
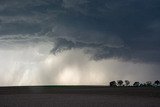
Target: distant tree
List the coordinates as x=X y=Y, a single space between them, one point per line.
x=149 y=83
x=136 y=84
x=143 y=85
x=113 y=84
x=119 y=82
x=127 y=82
x=157 y=83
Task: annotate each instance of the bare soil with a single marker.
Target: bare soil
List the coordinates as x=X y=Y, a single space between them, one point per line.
x=79 y=96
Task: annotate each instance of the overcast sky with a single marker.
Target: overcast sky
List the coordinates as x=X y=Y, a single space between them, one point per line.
x=79 y=42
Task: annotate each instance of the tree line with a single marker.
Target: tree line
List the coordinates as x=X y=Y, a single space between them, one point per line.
x=135 y=84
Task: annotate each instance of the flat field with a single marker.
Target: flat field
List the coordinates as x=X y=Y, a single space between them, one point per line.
x=79 y=96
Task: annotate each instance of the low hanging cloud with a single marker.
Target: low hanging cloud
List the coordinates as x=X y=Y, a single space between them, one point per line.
x=97 y=50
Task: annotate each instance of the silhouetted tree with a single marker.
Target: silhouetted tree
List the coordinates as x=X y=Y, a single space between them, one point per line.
x=113 y=84
x=149 y=83
x=157 y=82
x=143 y=85
x=127 y=82
x=136 y=84
x=119 y=82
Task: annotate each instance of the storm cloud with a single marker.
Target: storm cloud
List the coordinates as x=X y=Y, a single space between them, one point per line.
x=98 y=31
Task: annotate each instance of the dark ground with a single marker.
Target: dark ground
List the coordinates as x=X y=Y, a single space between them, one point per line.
x=79 y=96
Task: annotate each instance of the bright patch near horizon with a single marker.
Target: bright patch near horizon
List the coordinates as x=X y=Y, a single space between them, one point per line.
x=69 y=76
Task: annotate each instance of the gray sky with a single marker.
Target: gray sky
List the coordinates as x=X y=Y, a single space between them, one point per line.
x=79 y=41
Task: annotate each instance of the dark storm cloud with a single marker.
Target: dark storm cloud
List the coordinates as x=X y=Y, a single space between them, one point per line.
x=127 y=29
x=98 y=50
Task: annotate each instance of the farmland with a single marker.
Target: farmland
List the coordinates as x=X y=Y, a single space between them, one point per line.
x=79 y=96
